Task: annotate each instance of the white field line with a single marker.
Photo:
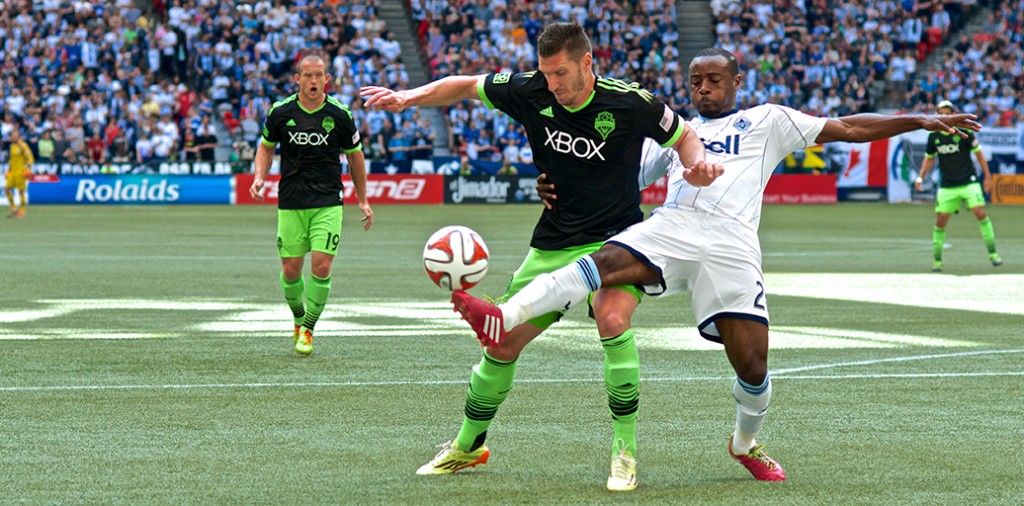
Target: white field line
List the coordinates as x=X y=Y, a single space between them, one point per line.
x=779 y=374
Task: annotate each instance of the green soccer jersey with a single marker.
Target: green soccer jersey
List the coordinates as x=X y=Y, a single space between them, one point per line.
x=311 y=145
x=954 y=151
x=591 y=153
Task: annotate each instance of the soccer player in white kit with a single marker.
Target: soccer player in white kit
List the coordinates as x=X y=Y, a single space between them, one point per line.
x=706 y=238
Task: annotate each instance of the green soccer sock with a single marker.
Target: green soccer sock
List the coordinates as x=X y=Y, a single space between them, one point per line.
x=938 y=241
x=293 y=295
x=316 y=299
x=488 y=387
x=622 y=381
x=988 y=233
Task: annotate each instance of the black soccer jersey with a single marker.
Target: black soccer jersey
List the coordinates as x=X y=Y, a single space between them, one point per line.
x=311 y=145
x=591 y=154
x=954 y=151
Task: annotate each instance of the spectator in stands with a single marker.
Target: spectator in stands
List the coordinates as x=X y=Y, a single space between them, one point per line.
x=45 y=148
x=399 y=147
x=507 y=169
x=465 y=168
x=97 y=148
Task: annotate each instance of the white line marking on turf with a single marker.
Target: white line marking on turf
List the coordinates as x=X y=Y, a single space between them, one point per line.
x=780 y=374
x=896 y=359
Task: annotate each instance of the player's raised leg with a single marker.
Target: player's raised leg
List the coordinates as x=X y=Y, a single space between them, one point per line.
x=746 y=345
x=547 y=293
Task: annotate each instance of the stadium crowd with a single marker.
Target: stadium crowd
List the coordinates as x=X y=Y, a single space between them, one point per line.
x=129 y=81
x=832 y=59
x=634 y=41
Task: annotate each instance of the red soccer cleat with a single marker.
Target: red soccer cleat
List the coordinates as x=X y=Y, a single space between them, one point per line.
x=485 y=318
x=763 y=467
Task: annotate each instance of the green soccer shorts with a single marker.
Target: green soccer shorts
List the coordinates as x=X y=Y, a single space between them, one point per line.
x=948 y=200
x=301 y=230
x=539 y=262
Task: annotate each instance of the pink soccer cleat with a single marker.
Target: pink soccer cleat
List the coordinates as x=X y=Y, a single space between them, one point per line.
x=763 y=467
x=485 y=318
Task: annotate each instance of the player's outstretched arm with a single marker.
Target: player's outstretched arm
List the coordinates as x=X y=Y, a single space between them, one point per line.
x=357 y=169
x=872 y=127
x=442 y=92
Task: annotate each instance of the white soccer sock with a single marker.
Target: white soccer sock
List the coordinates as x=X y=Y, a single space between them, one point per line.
x=752 y=404
x=557 y=291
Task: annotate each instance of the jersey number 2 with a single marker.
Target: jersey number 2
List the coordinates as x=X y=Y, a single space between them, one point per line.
x=759 y=299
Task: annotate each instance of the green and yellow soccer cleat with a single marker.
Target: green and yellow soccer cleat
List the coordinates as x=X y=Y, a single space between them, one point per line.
x=450 y=459
x=298 y=329
x=623 y=475
x=995 y=259
x=937 y=266
x=304 y=344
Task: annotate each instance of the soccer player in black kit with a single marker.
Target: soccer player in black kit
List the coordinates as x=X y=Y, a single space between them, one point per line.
x=958 y=184
x=586 y=133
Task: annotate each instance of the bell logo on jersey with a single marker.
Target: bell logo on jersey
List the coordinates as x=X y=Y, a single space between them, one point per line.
x=307 y=138
x=948 y=149
x=731 y=146
x=580 y=147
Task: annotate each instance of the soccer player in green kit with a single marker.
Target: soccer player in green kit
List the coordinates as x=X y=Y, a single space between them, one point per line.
x=312 y=130
x=958 y=183
x=587 y=134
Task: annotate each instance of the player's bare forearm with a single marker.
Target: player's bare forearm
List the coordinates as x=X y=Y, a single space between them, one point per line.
x=690 y=148
x=984 y=164
x=872 y=127
x=926 y=167
x=357 y=169
x=261 y=166
x=264 y=159
x=442 y=92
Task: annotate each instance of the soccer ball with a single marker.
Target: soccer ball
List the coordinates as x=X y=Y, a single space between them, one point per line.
x=455 y=258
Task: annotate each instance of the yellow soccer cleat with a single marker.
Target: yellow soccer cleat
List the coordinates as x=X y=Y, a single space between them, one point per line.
x=450 y=459
x=304 y=344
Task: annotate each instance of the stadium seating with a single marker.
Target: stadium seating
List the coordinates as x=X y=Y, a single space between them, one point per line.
x=215 y=68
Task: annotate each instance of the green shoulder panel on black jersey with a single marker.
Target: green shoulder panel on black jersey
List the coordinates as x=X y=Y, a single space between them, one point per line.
x=591 y=153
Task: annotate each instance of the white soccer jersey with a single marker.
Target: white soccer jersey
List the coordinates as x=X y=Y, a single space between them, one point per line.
x=749 y=144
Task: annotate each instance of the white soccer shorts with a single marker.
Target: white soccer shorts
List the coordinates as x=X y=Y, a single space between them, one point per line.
x=719 y=259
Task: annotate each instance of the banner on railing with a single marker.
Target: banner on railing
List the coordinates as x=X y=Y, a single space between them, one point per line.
x=801 y=189
x=124 y=190
x=380 y=189
x=1008 y=189
x=490 y=190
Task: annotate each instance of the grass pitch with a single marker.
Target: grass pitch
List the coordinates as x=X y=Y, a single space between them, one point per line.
x=145 y=358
